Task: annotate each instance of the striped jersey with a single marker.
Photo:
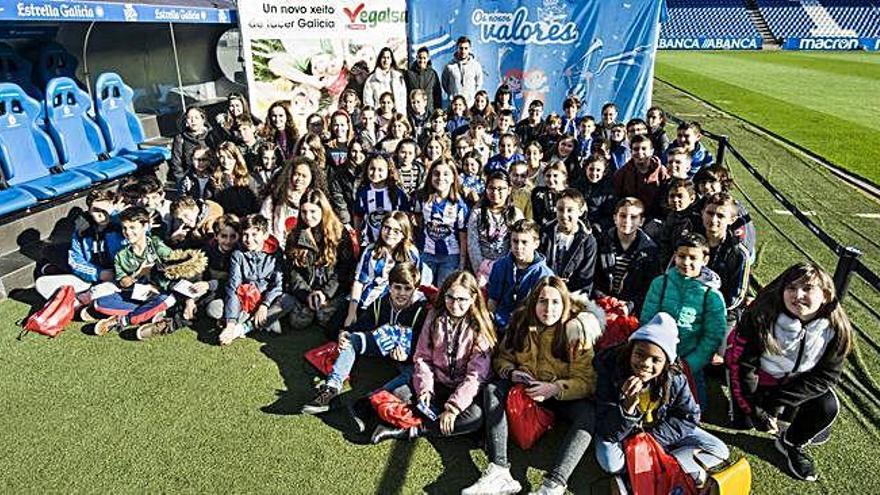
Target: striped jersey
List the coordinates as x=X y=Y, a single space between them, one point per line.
x=373 y=203
x=373 y=273
x=442 y=221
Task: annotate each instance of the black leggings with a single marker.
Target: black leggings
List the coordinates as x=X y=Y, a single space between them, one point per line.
x=812 y=417
x=469 y=421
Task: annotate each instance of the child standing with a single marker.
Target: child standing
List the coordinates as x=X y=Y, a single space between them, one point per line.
x=458 y=121
x=506 y=156
x=515 y=274
x=555 y=365
x=641 y=388
x=452 y=362
x=689 y=293
x=598 y=193
x=281 y=206
x=319 y=263
x=411 y=171
x=279 y=128
x=388 y=328
x=568 y=245
x=642 y=177
x=254 y=297
x=489 y=226
x=680 y=200
x=264 y=173
x=197 y=182
x=544 y=197
x=441 y=213
x=788 y=352
x=657 y=130
x=343 y=181
x=231 y=182
x=379 y=193
x=472 y=177
x=689 y=135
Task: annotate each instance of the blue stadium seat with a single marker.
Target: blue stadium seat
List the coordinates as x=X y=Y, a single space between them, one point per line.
x=54 y=61
x=77 y=137
x=27 y=156
x=16 y=69
x=708 y=18
x=122 y=129
x=15 y=199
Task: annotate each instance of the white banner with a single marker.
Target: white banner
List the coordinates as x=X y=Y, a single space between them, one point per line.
x=304 y=51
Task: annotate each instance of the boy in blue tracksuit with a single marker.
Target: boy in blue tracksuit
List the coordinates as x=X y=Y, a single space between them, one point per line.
x=92 y=249
x=689 y=135
x=515 y=274
x=254 y=297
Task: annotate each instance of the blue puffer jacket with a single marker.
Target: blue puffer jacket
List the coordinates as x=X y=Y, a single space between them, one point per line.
x=698 y=308
x=673 y=420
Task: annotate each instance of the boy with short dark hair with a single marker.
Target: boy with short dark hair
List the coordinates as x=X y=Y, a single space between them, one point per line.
x=254 y=297
x=531 y=128
x=570 y=121
x=250 y=143
x=689 y=135
x=627 y=258
x=151 y=195
x=142 y=298
x=192 y=221
x=515 y=274
x=643 y=177
x=569 y=245
x=388 y=328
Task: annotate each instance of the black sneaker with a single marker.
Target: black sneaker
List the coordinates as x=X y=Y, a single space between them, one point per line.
x=800 y=464
x=321 y=402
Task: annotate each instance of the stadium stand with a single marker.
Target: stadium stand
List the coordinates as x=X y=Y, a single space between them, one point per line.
x=16 y=69
x=707 y=18
x=826 y=18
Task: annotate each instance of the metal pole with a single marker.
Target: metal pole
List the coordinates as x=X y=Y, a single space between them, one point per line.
x=849 y=256
x=177 y=67
x=85 y=58
x=722 y=148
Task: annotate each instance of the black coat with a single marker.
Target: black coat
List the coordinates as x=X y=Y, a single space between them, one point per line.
x=578 y=263
x=427 y=79
x=331 y=280
x=643 y=268
x=182 y=149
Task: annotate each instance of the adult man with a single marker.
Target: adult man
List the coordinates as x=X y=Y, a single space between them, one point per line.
x=421 y=75
x=463 y=75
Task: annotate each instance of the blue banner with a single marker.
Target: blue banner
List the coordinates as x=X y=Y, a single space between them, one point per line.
x=824 y=44
x=598 y=50
x=707 y=43
x=87 y=11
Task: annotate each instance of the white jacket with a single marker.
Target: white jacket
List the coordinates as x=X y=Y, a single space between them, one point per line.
x=380 y=82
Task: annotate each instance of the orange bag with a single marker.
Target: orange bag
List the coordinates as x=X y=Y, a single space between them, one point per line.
x=323 y=357
x=526 y=420
x=51 y=319
x=394 y=411
x=249 y=297
x=652 y=471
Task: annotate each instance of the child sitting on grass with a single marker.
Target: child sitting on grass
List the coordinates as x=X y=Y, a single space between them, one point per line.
x=388 y=328
x=134 y=269
x=689 y=293
x=641 y=387
x=254 y=297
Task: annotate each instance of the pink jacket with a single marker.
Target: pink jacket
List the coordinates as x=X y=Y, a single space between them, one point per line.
x=463 y=367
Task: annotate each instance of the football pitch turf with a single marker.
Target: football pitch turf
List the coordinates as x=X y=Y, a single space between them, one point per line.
x=827 y=102
x=179 y=414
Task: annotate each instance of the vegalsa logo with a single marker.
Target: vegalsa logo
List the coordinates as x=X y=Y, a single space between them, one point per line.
x=361 y=18
x=506 y=27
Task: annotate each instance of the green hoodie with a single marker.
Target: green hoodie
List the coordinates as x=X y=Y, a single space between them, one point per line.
x=698 y=308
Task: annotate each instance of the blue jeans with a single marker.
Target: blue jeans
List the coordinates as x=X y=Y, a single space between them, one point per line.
x=442 y=265
x=362 y=344
x=710 y=450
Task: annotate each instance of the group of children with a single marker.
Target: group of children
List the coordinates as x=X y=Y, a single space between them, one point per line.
x=519 y=228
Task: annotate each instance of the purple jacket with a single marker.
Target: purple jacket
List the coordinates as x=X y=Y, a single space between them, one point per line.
x=465 y=369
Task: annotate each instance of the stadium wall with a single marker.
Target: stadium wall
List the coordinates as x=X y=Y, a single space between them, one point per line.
x=711 y=43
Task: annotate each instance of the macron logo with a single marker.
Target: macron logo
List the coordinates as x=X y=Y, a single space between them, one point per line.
x=352 y=15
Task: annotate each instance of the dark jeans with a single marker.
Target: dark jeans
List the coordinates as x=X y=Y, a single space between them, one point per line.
x=468 y=421
x=579 y=412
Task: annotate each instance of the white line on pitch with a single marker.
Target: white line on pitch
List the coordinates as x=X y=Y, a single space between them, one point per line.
x=867 y=215
x=788 y=213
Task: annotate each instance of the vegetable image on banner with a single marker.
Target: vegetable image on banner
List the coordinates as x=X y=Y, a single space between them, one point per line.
x=597 y=50
x=307 y=53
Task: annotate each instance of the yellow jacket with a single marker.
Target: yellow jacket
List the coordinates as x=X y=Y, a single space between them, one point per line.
x=576 y=379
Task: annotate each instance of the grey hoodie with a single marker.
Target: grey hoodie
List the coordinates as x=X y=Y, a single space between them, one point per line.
x=464 y=77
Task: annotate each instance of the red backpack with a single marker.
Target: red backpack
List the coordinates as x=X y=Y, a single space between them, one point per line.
x=654 y=472
x=51 y=319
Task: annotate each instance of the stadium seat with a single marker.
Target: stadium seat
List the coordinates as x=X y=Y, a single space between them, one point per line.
x=16 y=69
x=708 y=18
x=122 y=129
x=54 y=61
x=77 y=137
x=27 y=156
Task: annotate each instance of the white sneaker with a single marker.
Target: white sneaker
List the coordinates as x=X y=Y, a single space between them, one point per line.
x=230 y=334
x=496 y=480
x=549 y=487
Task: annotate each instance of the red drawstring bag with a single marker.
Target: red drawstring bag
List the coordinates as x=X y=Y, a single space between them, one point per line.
x=526 y=420
x=618 y=327
x=394 y=411
x=652 y=471
x=249 y=297
x=51 y=319
x=323 y=357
